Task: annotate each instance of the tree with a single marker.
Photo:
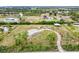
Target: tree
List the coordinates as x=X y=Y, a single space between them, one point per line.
x=52 y=38
x=3 y=49
x=75 y=15
x=21 y=38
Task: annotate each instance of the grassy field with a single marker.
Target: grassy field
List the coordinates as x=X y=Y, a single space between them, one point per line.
x=43 y=41
x=46 y=39
x=70 y=37
x=72 y=41
x=15 y=40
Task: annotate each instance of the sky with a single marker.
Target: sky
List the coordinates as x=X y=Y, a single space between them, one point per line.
x=39 y=2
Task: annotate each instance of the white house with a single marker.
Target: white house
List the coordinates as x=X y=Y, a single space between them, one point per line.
x=11 y=20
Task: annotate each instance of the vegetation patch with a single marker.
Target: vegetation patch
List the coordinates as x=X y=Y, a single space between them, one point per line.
x=45 y=39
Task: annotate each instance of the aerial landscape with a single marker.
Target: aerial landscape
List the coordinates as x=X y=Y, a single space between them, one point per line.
x=39 y=29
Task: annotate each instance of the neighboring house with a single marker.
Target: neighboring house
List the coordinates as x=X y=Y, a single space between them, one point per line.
x=59 y=12
x=66 y=17
x=46 y=16
x=11 y=20
x=50 y=18
x=63 y=17
x=76 y=23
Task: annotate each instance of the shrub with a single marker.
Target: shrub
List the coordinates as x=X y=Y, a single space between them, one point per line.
x=70 y=47
x=21 y=38
x=3 y=49
x=1 y=36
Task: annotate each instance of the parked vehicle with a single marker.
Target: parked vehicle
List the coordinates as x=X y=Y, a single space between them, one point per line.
x=57 y=24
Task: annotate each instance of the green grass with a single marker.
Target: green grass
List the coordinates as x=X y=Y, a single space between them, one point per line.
x=71 y=38
x=45 y=39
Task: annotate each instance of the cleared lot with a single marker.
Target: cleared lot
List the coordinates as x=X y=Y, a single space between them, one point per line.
x=18 y=40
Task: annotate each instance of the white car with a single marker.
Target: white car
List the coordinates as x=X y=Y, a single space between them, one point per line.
x=57 y=24
x=11 y=20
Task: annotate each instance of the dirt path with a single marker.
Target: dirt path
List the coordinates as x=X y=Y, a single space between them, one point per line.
x=34 y=31
x=59 y=42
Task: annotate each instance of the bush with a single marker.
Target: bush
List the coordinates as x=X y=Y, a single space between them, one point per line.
x=34 y=47
x=70 y=47
x=1 y=36
x=21 y=38
x=3 y=49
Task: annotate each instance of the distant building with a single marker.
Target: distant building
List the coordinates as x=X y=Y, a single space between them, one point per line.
x=46 y=16
x=11 y=20
x=66 y=17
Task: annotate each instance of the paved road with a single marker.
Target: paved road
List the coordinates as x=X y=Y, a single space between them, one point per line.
x=34 y=31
